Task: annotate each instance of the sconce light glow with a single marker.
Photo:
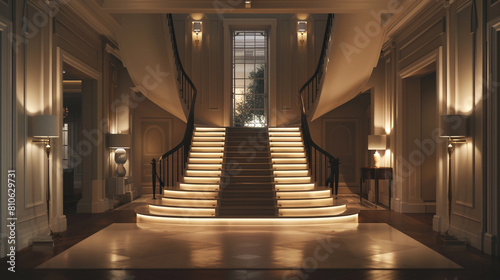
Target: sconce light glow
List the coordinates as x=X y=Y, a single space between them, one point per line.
x=302 y=32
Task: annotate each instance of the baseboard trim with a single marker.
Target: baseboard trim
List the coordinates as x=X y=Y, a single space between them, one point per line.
x=421 y=207
x=470 y=238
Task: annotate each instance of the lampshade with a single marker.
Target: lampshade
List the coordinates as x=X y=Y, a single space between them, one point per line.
x=45 y=126
x=377 y=142
x=115 y=141
x=453 y=126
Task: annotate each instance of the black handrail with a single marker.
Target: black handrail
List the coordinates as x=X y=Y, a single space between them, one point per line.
x=324 y=167
x=172 y=163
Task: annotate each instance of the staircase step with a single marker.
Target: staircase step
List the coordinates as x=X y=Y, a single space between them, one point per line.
x=285 y=139
x=225 y=194
x=246 y=179
x=247 y=172
x=245 y=154
x=247 y=165
x=244 y=148
x=256 y=173
x=238 y=160
x=208 y=144
x=251 y=202
x=290 y=128
x=207 y=128
x=235 y=130
x=238 y=186
x=250 y=212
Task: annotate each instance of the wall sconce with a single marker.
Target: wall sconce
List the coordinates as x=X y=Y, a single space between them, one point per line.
x=453 y=127
x=248 y=4
x=46 y=127
x=376 y=143
x=196 y=33
x=119 y=142
x=302 y=32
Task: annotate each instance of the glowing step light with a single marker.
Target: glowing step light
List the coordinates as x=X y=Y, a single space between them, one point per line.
x=286 y=144
x=290 y=166
x=205 y=160
x=287 y=149
x=201 y=166
x=190 y=194
x=294 y=203
x=295 y=187
x=209 y=134
x=287 y=155
x=208 y=180
x=303 y=194
x=203 y=173
x=181 y=211
x=291 y=173
x=208 y=139
x=210 y=129
x=292 y=179
x=208 y=144
x=205 y=155
x=206 y=203
x=285 y=139
x=289 y=160
x=207 y=149
x=311 y=212
x=284 y=134
x=280 y=221
x=275 y=129
x=198 y=187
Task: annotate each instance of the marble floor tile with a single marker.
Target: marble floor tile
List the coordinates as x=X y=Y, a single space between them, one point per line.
x=298 y=249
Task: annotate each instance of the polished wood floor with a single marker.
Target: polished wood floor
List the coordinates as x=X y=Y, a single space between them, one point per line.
x=418 y=226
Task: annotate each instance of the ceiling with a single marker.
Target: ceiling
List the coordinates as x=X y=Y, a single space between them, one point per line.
x=238 y=6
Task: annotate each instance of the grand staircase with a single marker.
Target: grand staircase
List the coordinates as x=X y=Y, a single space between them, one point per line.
x=246 y=176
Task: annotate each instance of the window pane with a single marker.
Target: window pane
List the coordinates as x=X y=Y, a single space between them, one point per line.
x=249 y=78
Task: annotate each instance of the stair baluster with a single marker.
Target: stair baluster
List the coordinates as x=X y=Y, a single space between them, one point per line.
x=187 y=92
x=327 y=174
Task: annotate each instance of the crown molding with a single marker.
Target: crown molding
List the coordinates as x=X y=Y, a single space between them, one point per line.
x=92 y=13
x=220 y=6
x=410 y=11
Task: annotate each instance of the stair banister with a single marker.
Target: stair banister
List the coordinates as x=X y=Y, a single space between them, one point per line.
x=324 y=166
x=171 y=164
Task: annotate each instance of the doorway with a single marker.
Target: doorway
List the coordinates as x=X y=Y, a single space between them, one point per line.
x=420 y=147
x=71 y=137
x=250 y=85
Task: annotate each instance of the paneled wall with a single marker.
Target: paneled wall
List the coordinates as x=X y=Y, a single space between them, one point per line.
x=491 y=210
x=443 y=41
x=33 y=97
x=293 y=65
x=7 y=154
x=54 y=36
x=156 y=131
